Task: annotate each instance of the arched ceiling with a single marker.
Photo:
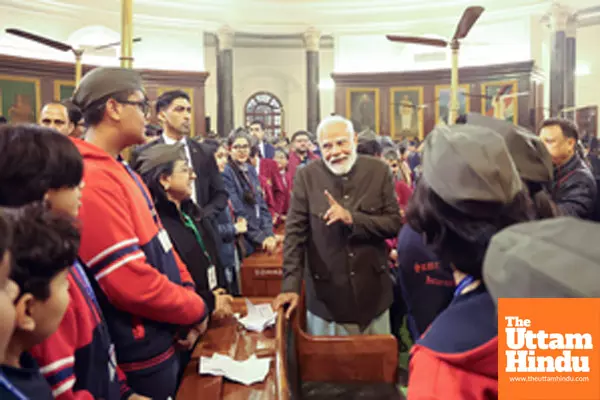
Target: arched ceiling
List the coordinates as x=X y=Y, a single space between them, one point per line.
x=291 y=16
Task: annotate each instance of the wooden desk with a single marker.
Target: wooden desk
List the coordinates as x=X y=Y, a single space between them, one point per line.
x=227 y=337
x=261 y=274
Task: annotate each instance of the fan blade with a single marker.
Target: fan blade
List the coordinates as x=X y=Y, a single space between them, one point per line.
x=515 y=94
x=469 y=17
x=106 y=46
x=418 y=40
x=503 y=90
x=40 y=39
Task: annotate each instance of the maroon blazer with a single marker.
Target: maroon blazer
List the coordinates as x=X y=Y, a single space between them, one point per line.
x=274 y=188
x=293 y=163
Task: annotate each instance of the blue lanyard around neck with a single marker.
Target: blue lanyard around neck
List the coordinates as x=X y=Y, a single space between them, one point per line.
x=464 y=282
x=141 y=187
x=11 y=388
x=83 y=280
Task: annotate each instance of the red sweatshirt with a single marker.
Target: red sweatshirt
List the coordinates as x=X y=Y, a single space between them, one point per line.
x=78 y=360
x=141 y=278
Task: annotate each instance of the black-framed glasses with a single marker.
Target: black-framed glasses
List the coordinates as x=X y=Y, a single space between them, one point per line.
x=143 y=105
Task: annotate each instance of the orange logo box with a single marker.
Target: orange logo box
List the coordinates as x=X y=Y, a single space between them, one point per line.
x=549 y=349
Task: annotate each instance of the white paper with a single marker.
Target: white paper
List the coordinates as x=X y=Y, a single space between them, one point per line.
x=248 y=372
x=259 y=317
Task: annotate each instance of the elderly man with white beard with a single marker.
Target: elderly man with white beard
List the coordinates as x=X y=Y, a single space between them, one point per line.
x=343 y=208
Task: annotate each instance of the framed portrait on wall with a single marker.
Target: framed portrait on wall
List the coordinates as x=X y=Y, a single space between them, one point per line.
x=406 y=113
x=586 y=119
x=442 y=106
x=362 y=108
x=506 y=106
x=20 y=98
x=190 y=92
x=63 y=89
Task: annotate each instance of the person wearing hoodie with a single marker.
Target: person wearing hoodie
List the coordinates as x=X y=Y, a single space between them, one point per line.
x=470 y=190
x=79 y=358
x=145 y=291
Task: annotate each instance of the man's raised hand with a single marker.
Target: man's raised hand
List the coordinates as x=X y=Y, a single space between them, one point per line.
x=336 y=212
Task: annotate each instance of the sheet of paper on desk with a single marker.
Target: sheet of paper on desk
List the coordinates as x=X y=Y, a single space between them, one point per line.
x=259 y=317
x=248 y=372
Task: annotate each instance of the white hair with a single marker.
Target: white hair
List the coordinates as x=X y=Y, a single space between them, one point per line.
x=331 y=120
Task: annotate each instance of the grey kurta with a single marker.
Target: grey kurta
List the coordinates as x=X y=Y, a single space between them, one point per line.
x=347 y=275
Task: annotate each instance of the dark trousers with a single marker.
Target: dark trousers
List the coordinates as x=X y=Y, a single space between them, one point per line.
x=158 y=382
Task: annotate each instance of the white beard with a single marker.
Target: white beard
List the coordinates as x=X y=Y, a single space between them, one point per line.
x=344 y=167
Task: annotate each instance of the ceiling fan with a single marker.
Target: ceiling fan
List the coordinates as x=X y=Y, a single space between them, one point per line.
x=62 y=47
x=469 y=17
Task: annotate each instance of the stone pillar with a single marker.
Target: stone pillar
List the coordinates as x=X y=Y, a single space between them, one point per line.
x=571 y=63
x=312 y=37
x=225 y=81
x=558 y=60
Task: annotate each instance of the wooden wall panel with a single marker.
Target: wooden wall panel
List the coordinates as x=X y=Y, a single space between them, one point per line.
x=528 y=78
x=50 y=71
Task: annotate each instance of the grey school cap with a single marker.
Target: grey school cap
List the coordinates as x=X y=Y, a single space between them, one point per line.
x=101 y=82
x=544 y=259
x=530 y=155
x=469 y=163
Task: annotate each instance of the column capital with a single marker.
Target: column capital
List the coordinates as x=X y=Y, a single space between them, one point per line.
x=559 y=17
x=225 y=35
x=312 y=39
x=572 y=26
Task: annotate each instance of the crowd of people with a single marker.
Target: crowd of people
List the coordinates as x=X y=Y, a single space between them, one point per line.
x=110 y=269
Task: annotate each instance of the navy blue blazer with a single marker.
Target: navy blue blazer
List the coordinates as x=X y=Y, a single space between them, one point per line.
x=269 y=150
x=260 y=222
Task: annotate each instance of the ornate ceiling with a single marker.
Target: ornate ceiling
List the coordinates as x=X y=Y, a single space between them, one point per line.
x=290 y=16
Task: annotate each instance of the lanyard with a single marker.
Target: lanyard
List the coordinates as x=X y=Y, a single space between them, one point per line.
x=11 y=388
x=187 y=221
x=466 y=281
x=141 y=187
x=85 y=284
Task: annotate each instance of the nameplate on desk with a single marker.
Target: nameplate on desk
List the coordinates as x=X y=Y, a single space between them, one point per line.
x=268 y=272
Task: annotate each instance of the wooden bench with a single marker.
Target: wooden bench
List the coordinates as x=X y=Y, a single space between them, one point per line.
x=345 y=367
x=228 y=337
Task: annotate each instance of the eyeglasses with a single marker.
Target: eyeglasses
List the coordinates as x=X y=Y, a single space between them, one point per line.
x=143 y=105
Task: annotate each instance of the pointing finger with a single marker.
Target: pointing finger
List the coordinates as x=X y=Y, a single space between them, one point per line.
x=330 y=199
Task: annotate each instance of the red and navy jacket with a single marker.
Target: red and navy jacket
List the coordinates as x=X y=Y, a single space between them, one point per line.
x=78 y=360
x=144 y=290
x=25 y=382
x=457 y=358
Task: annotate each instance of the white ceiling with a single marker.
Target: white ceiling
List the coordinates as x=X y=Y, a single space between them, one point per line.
x=291 y=16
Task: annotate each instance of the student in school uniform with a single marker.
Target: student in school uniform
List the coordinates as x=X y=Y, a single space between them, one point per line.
x=457 y=357
x=229 y=231
x=145 y=291
x=79 y=358
x=44 y=247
